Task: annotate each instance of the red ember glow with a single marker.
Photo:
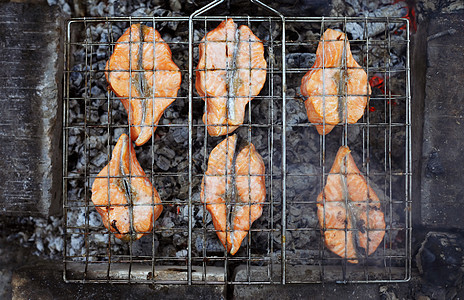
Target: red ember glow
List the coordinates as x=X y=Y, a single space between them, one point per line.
x=411 y=16
x=378 y=82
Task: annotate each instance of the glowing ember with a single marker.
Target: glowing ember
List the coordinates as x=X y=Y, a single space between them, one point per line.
x=379 y=83
x=411 y=16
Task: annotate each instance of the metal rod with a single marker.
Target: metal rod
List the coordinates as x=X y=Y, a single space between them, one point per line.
x=274 y=123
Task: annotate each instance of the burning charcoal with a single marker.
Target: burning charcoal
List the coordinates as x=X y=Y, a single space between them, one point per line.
x=398 y=9
x=39 y=244
x=94 y=220
x=79 y=56
x=356 y=31
x=171 y=146
x=144 y=245
x=181 y=253
x=398 y=45
x=141 y=12
x=55 y=244
x=180 y=134
x=99 y=160
x=295 y=112
x=175 y=5
x=183 y=192
x=277 y=236
x=204 y=218
x=307 y=60
x=198 y=34
x=300 y=60
x=210 y=242
x=92 y=115
x=339 y=8
x=182 y=212
x=104 y=119
x=176 y=161
x=118 y=132
x=166 y=223
x=99 y=66
x=72 y=140
x=355 y=4
x=97 y=31
x=97 y=10
x=77 y=244
x=163 y=163
x=97 y=141
x=167 y=152
x=96 y=91
x=76 y=77
x=353 y=134
x=301 y=184
x=182 y=165
x=168 y=251
x=77 y=217
x=104 y=39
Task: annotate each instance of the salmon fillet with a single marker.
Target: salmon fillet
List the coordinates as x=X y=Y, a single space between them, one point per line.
x=336 y=87
x=142 y=73
x=349 y=211
x=233 y=187
x=231 y=72
x=123 y=195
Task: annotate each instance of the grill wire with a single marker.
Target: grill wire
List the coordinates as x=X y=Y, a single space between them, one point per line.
x=272 y=253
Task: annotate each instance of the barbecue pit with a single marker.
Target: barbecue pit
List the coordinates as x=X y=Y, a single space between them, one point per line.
x=285 y=245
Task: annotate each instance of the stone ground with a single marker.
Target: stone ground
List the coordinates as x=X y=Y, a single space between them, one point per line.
x=437 y=57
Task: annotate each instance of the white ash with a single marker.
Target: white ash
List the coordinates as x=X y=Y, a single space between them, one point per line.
x=357 y=30
x=46 y=237
x=295 y=110
x=65 y=7
x=167 y=223
x=181 y=253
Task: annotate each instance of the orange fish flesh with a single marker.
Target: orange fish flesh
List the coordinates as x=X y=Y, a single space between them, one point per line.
x=234 y=187
x=336 y=87
x=142 y=73
x=231 y=72
x=123 y=195
x=349 y=210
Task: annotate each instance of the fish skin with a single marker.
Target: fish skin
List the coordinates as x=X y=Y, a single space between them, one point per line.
x=326 y=82
x=112 y=199
x=346 y=202
x=231 y=78
x=246 y=193
x=138 y=90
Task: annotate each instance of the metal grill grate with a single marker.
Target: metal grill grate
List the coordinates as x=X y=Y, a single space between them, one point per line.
x=285 y=245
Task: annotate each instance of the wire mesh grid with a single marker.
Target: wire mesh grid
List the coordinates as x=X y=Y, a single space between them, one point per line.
x=285 y=245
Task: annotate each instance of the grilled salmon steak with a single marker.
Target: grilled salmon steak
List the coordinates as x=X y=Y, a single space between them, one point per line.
x=124 y=197
x=233 y=187
x=142 y=73
x=349 y=211
x=336 y=87
x=231 y=71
